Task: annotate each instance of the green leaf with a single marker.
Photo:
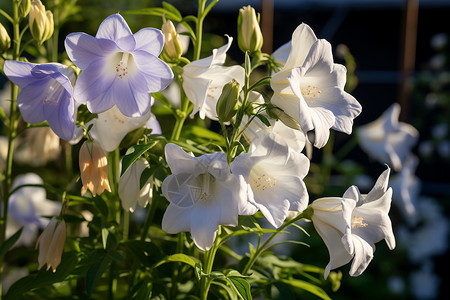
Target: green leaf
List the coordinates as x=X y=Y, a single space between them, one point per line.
x=162 y=99
x=43 y=277
x=172 y=10
x=9 y=243
x=100 y=204
x=156 y=11
x=204 y=133
x=264 y=80
x=179 y=257
x=263 y=119
x=95 y=272
x=145 y=253
x=241 y=285
x=134 y=153
x=309 y=287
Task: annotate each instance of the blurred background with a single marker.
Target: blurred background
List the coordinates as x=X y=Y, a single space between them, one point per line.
x=400 y=53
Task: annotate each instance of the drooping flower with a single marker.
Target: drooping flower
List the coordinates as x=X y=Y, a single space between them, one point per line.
x=407 y=188
x=274 y=175
x=203 y=194
x=118 y=67
x=310 y=88
x=111 y=127
x=51 y=244
x=46 y=94
x=93 y=168
x=37 y=146
x=203 y=81
x=350 y=226
x=130 y=191
x=386 y=139
x=27 y=208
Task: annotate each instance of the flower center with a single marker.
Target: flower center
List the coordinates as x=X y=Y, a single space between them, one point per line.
x=122 y=66
x=310 y=91
x=203 y=189
x=54 y=93
x=260 y=181
x=358 y=222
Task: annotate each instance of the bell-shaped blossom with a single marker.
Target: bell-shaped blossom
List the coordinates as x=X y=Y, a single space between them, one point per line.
x=45 y=94
x=310 y=88
x=203 y=194
x=407 y=188
x=130 y=191
x=93 y=168
x=37 y=146
x=118 y=67
x=27 y=208
x=350 y=226
x=274 y=175
x=51 y=244
x=112 y=126
x=387 y=140
x=203 y=81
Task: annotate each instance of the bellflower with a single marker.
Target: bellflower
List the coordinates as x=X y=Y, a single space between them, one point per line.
x=407 y=188
x=27 y=208
x=350 y=226
x=274 y=175
x=386 y=139
x=130 y=191
x=51 y=244
x=111 y=127
x=203 y=81
x=310 y=88
x=37 y=146
x=118 y=67
x=203 y=194
x=46 y=94
x=93 y=168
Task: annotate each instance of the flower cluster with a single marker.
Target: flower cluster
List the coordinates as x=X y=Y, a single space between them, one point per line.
x=185 y=176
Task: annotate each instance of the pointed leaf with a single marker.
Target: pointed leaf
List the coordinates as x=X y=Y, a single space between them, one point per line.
x=242 y=286
x=9 y=243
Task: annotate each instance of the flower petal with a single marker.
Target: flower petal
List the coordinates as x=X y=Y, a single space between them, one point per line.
x=205 y=223
x=83 y=49
x=302 y=40
x=61 y=117
x=31 y=100
x=150 y=40
x=116 y=29
x=157 y=73
x=18 y=72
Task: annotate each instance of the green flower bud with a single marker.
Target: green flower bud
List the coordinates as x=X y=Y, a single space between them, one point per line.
x=249 y=33
x=24 y=8
x=38 y=21
x=172 y=46
x=49 y=25
x=5 y=40
x=227 y=105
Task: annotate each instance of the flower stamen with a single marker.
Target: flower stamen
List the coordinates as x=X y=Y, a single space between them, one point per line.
x=122 y=66
x=311 y=91
x=358 y=222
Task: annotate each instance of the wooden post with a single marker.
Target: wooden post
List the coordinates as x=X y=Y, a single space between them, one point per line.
x=408 y=55
x=267 y=25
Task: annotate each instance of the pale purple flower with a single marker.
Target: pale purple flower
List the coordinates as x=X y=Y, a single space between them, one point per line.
x=118 y=67
x=46 y=94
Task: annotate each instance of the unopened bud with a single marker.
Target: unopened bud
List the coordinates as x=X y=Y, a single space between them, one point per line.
x=5 y=40
x=227 y=105
x=49 y=25
x=24 y=8
x=249 y=33
x=38 y=21
x=172 y=46
x=51 y=244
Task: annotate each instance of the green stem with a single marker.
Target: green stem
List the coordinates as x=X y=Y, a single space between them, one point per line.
x=260 y=249
x=210 y=255
x=12 y=131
